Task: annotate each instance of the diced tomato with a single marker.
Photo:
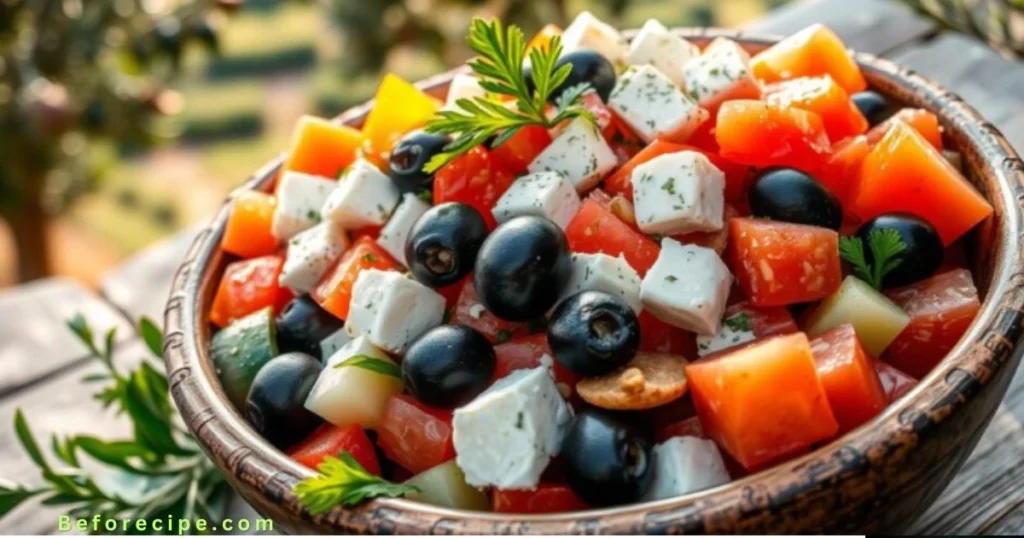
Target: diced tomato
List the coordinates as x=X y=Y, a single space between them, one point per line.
x=473 y=178
x=624 y=143
x=717 y=240
x=904 y=173
x=848 y=375
x=779 y=263
x=813 y=51
x=825 y=98
x=593 y=102
x=618 y=205
x=595 y=229
x=894 y=382
x=545 y=499
x=334 y=292
x=516 y=153
x=689 y=427
x=248 y=286
x=656 y=336
x=373 y=232
x=941 y=308
x=764 y=322
x=451 y=294
x=470 y=312
x=841 y=171
x=923 y=121
x=704 y=137
x=398 y=107
x=248 y=230
x=762 y=403
x=762 y=134
x=543 y=37
x=329 y=440
x=414 y=435
x=322 y=148
x=737 y=176
x=526 y=352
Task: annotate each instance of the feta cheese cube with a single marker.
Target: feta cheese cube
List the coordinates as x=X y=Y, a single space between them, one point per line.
x=364 y=197
x=299 y=200
x=721 y=72
x=601 y=272
x=507 y=435
x=352 y=395
x=543 y=194
x=656 y=45
x=734 y=331
x=678 y=193
x=684 y=465
x=579 y=153
x=588 y=32
x=310 y=254
x=653 y=106
x=687 y=287
x=330 y=345
x=394 y=234
x=392 y=310
x=463 y=86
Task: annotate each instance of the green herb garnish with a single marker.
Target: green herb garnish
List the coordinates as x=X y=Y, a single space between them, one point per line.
x=739 y=322
x=372 y=364
x=344 y=482
x=499 y=66
x=886 y=246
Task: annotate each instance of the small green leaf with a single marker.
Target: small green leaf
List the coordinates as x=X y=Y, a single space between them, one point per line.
x=12 y=495
x=152 y=336
x=372 y=364
x=80 y=328
x=27 y=440
x=344 y=482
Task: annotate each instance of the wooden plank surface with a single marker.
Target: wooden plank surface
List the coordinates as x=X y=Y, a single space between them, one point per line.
x=33 y=340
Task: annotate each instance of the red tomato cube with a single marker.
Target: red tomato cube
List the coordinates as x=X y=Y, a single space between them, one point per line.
x=334 y=292
x=779 y=263
x=545 y=499
x=941 y=308
x=474 y=178
x=595 y=229
x=526 y=352
x=656 y=336
x=848 y=375
x=415 y=436
x=762 y=403
x=248 y=286
x=894 y=382
x=825 y=98
x=329 y=440
x=762 y=134
x=469 y=311
x=516 y=153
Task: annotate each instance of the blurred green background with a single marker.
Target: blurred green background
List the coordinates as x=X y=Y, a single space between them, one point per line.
x=233 y=79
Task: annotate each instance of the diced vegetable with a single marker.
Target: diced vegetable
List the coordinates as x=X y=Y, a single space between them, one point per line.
x=737 y=176
x=656 y=336
x=240 y=350
x=445 y=485
x=923 y=121
x=595 y=229
x=353 y=394
x=248 y=232
x=813 y=51
x=334 y=292
x=516 y=153
x=322 y=148
x=941 y=308
x=778 y=263
x=876 y=319
x=743 y=323
x=399 y=107
x=841 y=171
x=248 y=286
x=546 y=499
x=415 y=436
x=904 y=173
x=329 y=440
x=469 y=311
x=473 y=178
x=717 y=240
x=764 y=402
x=527 y=352
x=543 y=36
x=894 y=382
x=763 y=134
x=848 y=375
x=825 y=98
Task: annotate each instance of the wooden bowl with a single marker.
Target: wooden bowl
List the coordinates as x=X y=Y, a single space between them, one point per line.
x=877 y=478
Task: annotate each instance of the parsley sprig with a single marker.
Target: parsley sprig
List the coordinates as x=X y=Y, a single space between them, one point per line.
x=499 y=66
x=886 y=248
x=344 y=482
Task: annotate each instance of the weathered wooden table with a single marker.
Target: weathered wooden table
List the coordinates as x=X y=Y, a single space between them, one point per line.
x=41 y=364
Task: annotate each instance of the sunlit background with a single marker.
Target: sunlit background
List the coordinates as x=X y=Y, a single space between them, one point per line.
x=150 y=111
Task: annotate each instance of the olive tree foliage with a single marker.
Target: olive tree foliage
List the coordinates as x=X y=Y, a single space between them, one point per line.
x=76 y=71
x=998 y=22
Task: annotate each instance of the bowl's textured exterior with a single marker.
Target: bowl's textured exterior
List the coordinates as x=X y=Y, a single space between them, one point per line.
x=876 y=478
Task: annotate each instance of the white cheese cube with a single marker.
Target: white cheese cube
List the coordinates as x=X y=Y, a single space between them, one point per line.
x=588 y=32
x=656 y=45
x=735 y=330
x=353 y=395
x=299 y=200
x=721 y=72
x=601 y=272
x=507 y=435
x=310 y=254
x=463 y=86
x=684 y=465
x=544 y=194
x=394 y=234
x=392 y=310
x=653 y=106
x=364 y=197
x=678 y=193
x=337 y=340
x=579 y=153
x=687 y=287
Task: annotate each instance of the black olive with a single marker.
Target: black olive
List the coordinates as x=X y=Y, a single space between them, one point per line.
x=592 y=333
x=522 y=268
x=923 y=252
x=444 y=242
x=412 y=152
x=303 y=324
x=588 y=66
x=448 y=366
x=789 y=195
x=275 y=407
x=605 y=462
x=873 y=106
